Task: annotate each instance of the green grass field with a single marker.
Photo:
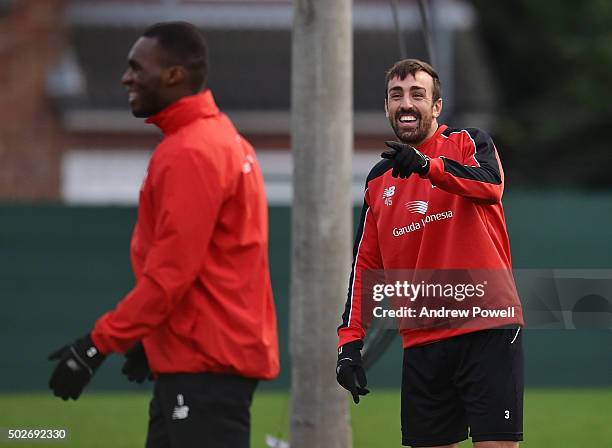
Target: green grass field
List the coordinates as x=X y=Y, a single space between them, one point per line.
x=555 y=418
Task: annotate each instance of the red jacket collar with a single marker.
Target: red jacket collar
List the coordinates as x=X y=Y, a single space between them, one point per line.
x=428 y=142
x=184 y=111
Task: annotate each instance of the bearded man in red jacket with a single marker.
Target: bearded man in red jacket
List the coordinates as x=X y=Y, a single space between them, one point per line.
x=433 y=204
x=200 y=319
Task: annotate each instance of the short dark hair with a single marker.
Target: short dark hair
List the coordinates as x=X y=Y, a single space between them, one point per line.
x=406 y=67
x=184 y=45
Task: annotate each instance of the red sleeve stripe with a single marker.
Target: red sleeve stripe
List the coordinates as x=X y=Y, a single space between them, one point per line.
x=487 y=168
x=470 y=137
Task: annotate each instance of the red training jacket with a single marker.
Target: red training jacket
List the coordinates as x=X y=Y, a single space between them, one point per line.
x=451 y=218
x=202 y=301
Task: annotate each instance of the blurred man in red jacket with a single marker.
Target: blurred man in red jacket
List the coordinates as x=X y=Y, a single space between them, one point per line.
x=201 y=316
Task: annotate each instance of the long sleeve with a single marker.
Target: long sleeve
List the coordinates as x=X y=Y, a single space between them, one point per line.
x=366 y=255
x=479 y=176
x=187 y=197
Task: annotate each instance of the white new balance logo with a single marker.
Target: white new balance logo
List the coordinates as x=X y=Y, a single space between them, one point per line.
x=181 y=411
x=417 y=207
x=387 y=195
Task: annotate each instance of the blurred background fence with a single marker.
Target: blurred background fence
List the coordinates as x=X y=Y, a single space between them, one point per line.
x=64 y=266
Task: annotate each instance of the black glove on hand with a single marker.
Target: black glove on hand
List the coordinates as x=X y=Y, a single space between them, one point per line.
x=349 y=372
x=136 y=366
x=406 y=160
x=77 y=364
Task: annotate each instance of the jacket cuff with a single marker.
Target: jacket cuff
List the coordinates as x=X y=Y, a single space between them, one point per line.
x=436 y=170
x=349 y=334
x=98 y=342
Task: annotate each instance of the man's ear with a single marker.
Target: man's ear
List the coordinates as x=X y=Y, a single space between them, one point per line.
x=437 y=108
x=175 y=75
x=386 y=109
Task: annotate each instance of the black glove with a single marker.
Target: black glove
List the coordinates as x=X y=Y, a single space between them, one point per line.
x=77 y=364
x=406 y=160
x=349 y=371
x=136 y=366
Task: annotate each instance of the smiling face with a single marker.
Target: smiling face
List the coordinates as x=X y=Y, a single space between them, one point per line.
x=410 y=107
x=144 y=78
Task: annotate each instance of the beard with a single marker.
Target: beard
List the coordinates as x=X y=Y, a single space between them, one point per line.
x=412 y=136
